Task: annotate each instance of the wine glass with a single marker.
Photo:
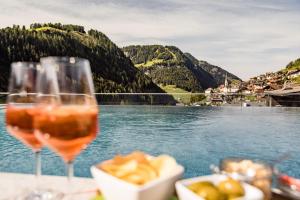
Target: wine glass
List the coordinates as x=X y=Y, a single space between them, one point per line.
x=68 y=121
x=20 y=112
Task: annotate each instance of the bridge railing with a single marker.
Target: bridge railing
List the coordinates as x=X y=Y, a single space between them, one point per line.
x=183 y=99
x=192 y=99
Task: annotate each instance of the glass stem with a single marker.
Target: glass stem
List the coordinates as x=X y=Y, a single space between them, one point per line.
x=38 y=168
x=38 y=164
x=70 y=170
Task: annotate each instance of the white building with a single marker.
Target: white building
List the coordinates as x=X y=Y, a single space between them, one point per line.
x=208 y=91
x=227 y=88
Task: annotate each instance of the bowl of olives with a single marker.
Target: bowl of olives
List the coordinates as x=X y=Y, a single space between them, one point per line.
x=216 y=187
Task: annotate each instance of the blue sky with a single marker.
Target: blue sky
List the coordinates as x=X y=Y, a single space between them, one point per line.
x=246 y=37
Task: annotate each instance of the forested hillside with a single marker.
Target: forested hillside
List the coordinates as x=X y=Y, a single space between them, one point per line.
x=293 y=65
x=167 y=65
x=112 y=70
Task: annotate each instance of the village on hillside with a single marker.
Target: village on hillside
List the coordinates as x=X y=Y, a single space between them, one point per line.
x=280 y=88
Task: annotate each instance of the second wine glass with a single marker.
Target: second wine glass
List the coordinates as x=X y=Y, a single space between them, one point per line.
x=69 y=118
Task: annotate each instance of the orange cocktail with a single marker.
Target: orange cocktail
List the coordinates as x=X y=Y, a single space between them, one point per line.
x=67 y=129
x=19 y=122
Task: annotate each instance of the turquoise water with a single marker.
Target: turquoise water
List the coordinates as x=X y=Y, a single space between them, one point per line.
x=195 y=136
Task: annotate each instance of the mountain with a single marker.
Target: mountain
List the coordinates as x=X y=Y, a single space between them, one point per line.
x=112 y=70
x=217 y=73
x=168 y=65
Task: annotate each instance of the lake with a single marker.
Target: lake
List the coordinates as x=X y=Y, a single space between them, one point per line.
x=195 y=136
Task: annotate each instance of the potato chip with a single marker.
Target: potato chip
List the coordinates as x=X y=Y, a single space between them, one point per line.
x=139 y=168
x=164 y=164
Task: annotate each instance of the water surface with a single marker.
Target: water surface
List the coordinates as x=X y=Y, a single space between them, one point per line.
x=195 y=136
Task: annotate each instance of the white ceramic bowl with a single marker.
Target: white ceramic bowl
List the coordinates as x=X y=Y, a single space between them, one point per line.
x=251 y=192
x=116 y=189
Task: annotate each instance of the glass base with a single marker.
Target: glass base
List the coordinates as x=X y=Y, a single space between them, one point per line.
x=41 y=195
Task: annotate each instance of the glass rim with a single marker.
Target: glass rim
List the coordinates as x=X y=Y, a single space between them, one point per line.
x=28 y=64
x=264 y=164
x=254 y=160
x=63 y=59
x=66 y=93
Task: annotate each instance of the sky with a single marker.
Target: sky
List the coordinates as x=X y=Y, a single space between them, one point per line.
x=245 y=37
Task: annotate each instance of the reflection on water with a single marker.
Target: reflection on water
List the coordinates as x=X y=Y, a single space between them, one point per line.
x=196 y=136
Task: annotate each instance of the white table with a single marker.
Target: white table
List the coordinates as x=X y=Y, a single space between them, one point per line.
x=12 y=184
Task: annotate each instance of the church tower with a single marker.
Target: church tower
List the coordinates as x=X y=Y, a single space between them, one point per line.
x=226 y=85
x=226 y=82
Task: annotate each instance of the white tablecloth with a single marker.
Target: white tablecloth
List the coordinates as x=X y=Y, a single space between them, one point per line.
x=12 y=184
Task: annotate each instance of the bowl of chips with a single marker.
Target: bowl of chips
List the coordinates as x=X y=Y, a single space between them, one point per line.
x=137 y=176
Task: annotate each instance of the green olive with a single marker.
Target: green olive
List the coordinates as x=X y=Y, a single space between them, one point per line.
x=210 y=193
x=194 y=187
x=232 y=188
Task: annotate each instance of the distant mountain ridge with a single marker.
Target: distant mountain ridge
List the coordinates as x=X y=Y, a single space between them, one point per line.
x=218 y=73
x=168 y=65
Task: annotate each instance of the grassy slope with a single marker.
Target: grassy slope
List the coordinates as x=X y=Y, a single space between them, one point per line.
x=294 y=65
x=296 y=80
x=173 y=89
x=154 y=61
x=84 y=38
x=183 y=97
x=149 y=63
x=173 y=54
x=48 y=28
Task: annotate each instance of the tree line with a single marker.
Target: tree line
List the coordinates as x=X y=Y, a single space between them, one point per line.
x=112 y=70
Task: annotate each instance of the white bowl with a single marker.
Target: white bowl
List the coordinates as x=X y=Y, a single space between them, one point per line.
x=114 y=188
x=251 y=192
